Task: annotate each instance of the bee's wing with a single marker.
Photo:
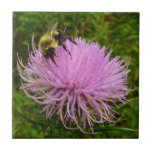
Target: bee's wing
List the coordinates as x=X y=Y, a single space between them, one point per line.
x=52 y=27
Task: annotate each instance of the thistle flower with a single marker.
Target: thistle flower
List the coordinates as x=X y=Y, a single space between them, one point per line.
x=80 y=89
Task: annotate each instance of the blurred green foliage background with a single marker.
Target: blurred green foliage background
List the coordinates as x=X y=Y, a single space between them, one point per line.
x=121 y=30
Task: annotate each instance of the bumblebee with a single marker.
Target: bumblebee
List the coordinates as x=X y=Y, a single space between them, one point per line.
x=51 y=40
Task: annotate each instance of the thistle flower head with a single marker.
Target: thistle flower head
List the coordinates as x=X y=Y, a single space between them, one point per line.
x=79 y=88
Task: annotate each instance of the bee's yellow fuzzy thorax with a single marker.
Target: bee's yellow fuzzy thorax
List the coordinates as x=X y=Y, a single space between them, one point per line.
x=45 y=43
x=54 y=44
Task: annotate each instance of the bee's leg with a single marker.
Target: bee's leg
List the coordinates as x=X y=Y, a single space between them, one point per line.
x=66 y=49
x=72 y=40
x=55 y=55
x=52 y=58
